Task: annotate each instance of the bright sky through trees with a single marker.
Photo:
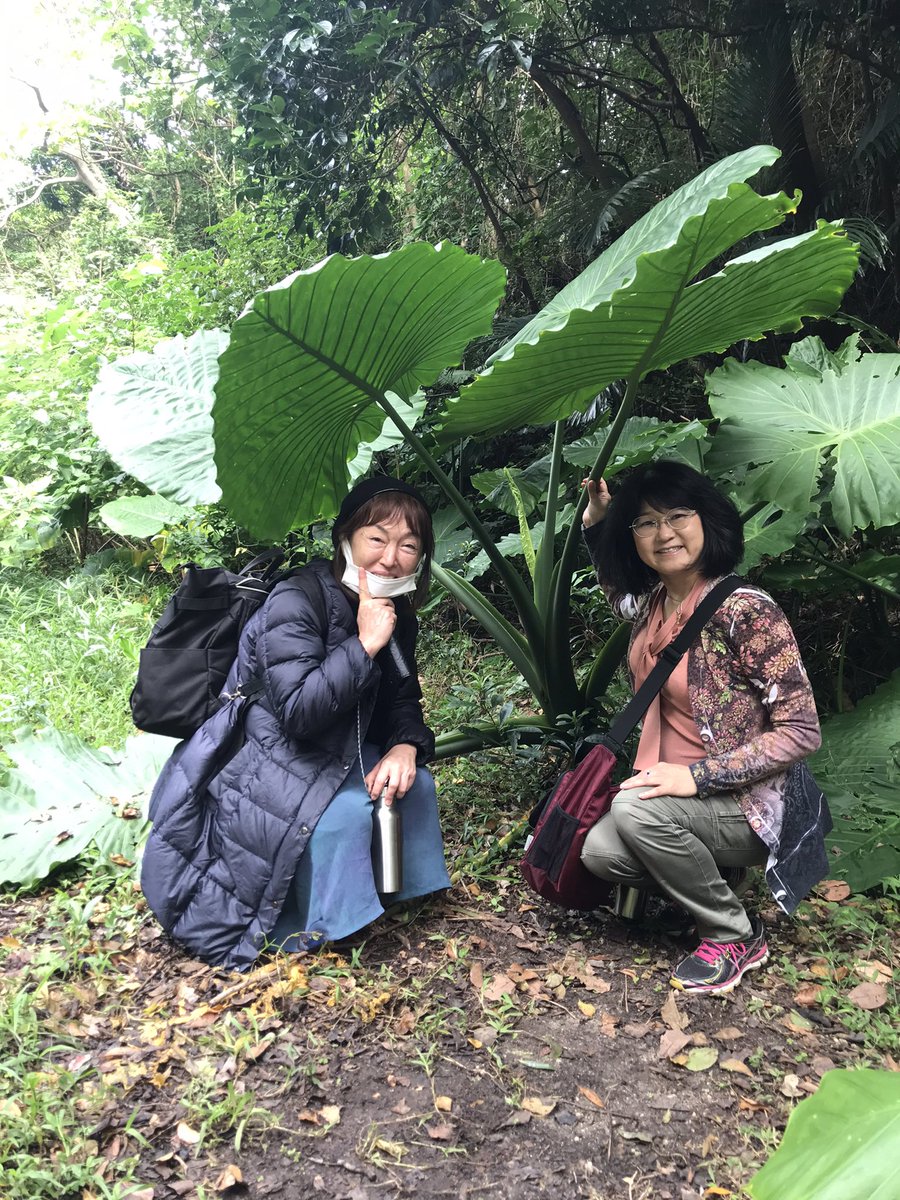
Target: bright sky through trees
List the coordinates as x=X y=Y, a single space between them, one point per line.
x=53 y=46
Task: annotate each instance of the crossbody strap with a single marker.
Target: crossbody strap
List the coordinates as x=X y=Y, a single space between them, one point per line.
x=624 y=724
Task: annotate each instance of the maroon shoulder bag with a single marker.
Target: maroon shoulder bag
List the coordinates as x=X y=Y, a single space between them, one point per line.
x=552 y=864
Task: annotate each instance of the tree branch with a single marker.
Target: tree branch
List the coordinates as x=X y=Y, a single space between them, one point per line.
x=8 y=213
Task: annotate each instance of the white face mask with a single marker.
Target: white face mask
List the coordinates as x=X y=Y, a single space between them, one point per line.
x=380 y=586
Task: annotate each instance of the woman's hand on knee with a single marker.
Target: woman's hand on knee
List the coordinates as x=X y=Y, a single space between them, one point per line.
x=663 y=779
x=396 y=771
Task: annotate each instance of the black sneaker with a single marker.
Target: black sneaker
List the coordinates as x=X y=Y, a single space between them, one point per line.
x=720 y=966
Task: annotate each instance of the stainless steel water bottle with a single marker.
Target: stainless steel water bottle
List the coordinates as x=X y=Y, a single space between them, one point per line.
x=387 y=859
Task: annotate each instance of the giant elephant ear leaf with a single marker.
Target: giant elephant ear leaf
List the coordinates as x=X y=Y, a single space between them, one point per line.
x=843 y=1143
x=818 y=410
x=152 y=413
x=304 y=375
x=641 y=307
x=61 y=796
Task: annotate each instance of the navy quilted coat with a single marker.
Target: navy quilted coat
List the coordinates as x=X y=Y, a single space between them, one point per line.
x=236 y=803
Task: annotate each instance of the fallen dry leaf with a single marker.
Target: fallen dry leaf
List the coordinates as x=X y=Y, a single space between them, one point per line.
x=476 y=976
x=790 y=1086
x=586 y=1010
x=820 y=1064
x=331 y=1114
x=443 y=1103
x=185 y=1134
x=592 y=1096
x=608 y=1023
x=873 y=971
x=735 y=1064
x=230 y=1177
x=868 y=996
x=500 y=985
x=401 y=1108
x=537 y=1107
x=833 y=890
x=439 y=1131
x=638 y=1030
x=808 y=995
x=406 y=1022
x=672 y=1014
x=672 y=1042
x=730 y=1033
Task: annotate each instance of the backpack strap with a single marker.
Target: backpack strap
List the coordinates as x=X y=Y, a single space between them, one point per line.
x=253 y=688
x=626 y=722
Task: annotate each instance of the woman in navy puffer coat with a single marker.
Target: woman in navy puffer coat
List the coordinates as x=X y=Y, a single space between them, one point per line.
x=262 y=821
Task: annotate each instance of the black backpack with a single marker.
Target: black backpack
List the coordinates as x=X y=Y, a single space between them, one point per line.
x=191 y=648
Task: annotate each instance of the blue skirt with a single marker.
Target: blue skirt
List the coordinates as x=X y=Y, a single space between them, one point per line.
x=333 y=891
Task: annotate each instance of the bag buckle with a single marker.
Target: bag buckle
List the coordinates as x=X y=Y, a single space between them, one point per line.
x=671 y=655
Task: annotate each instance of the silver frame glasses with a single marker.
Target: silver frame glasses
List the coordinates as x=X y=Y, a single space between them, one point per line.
x=665 y=519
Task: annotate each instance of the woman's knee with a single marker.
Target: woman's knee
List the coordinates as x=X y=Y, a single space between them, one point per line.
x=630 y=814
x=603 y=853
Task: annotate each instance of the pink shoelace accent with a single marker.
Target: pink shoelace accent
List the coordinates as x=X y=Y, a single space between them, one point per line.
x=711 y=952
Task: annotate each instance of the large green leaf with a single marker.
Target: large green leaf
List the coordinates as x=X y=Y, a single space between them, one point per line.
x=769 y=533
x=642 y=438
x=843 y=1143
x=793 y=421
x=306 y=366
x=152 y=413
x=61 y=796
x=636 y=309
x=858 y=768
x=142 y=516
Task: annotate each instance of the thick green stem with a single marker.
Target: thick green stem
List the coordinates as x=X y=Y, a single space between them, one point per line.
x=558 y=634
x=543 y=582
x=515 y=585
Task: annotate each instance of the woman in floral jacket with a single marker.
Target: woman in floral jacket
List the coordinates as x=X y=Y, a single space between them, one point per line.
x=719 y=782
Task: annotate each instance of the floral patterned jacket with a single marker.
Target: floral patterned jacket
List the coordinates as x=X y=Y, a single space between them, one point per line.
x=756 y=715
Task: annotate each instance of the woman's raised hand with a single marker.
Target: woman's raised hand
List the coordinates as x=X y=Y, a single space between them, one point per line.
x=375 y=618
x=598 y=501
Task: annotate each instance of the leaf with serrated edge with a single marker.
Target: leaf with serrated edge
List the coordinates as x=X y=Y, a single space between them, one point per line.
x=791 y=426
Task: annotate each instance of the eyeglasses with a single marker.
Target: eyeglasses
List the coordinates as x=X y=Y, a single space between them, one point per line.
x=645 y=527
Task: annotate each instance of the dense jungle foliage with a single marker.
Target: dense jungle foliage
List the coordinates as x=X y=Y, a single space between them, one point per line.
x=248 y=141
x=571 y=237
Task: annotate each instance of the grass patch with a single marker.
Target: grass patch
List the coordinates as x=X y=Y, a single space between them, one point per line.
x=69 y=651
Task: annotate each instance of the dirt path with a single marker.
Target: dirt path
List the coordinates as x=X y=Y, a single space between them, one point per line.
x=490 y=1048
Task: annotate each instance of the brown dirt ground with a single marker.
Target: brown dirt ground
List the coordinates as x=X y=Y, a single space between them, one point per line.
x=489 y=1047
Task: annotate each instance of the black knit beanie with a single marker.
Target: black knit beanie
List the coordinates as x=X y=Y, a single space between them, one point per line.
x=368 y=489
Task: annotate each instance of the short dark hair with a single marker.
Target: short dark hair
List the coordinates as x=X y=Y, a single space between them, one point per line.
x=389 y=506
x=666 y=485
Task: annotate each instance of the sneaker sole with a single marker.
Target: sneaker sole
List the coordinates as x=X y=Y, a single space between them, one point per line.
x=722 y=989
